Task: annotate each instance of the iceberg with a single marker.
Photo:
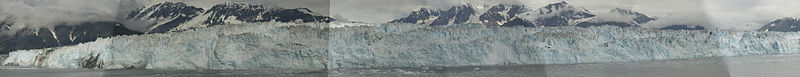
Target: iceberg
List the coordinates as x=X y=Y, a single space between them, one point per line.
x=319 y=46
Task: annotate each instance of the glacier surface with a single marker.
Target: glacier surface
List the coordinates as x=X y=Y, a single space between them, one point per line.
x=318 y=46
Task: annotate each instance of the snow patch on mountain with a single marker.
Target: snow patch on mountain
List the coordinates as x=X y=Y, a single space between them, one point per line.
x=174 y=17
x=782 y=25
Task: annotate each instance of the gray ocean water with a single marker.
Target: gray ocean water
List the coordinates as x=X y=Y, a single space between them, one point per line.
x=742 y=66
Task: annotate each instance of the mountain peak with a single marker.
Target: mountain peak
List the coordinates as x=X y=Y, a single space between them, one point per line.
x=164 y=10
x=553 y=7
x=640 y=18
x=235 y=6
x=790 y=24
x=560 y=3
x=454 y=15
x=177 y=16
x=561 y=14
x=504 y=15
x=231 y=13
x=561 y=6
x=555 y=14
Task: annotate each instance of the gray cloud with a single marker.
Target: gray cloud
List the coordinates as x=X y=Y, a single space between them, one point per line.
x=668 y=12
x=45 y=13
x=749 y=14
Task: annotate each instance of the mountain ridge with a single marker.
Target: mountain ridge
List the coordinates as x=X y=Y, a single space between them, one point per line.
x=789 y=24
x=181 y=17
x=552 y=15
x=162 y=17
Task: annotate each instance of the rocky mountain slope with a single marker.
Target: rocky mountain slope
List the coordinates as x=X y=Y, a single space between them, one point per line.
x=782 y=25
x=60 y=35
x=171 y=17
x=552 y=15
x=157 y=18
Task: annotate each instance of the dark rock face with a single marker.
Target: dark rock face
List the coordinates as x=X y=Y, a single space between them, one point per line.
x=782 y=25
x=557 y=14
x=418 y=17
x=173 y=13
x=504 y=15
x=455 y=15
x=518 y=22
x=164 y=16
x=61 y=35
x=562 y=13
x=683 y=27
x=6 y=25
x=257 y=13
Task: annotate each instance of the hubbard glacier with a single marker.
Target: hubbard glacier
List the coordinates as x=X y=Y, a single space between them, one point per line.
x=361 y=45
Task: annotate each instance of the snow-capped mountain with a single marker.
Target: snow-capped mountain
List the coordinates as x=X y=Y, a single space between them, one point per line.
x=163 y=17
x=782 y=25
x=60 y=35
x=456 y=15
x=169 y=16
x=556 y=14
x=504 y=15
x=237 y=12
x=559 y=14
x=157 y=18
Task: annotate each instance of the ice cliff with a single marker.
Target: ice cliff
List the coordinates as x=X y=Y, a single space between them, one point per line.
x=317 y=46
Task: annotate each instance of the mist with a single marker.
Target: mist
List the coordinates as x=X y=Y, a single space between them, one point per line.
x=48 y=13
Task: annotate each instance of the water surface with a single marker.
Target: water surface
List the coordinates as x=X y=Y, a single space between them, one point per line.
x=745 y=66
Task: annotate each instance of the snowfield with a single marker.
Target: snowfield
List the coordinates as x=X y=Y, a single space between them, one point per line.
x=317 y=46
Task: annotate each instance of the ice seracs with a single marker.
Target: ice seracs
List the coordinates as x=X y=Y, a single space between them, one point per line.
x=318 y=46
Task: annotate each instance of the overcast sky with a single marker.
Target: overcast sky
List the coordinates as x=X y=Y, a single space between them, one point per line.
x=723 y=14
x=36 y=13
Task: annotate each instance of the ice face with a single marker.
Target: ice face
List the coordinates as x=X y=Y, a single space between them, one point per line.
x=315 y=46
x=224 y=47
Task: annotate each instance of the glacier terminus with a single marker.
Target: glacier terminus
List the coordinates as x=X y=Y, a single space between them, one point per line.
x=358 y=45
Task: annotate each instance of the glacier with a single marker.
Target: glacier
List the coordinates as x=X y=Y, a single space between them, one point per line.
x=320 y=46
